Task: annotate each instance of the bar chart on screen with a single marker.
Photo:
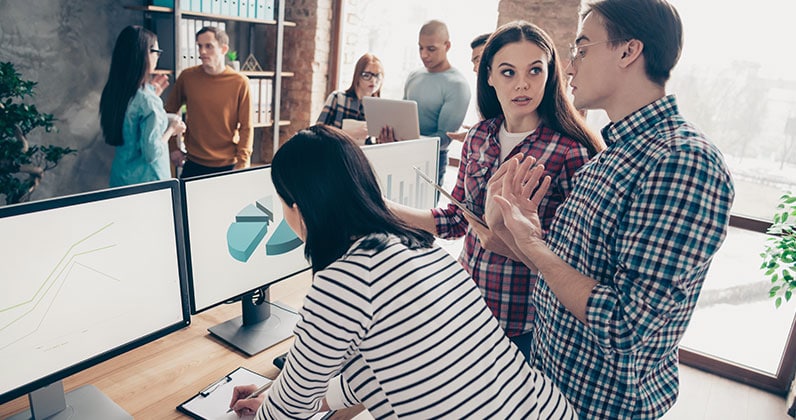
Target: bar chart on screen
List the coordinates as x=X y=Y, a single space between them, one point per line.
x=393 y=164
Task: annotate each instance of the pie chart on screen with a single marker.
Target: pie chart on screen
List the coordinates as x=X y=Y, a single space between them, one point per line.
x=250 y=227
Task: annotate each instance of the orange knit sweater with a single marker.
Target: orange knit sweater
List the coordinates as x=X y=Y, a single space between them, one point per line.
x=218 y=116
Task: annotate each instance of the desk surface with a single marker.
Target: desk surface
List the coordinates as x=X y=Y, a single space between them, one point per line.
x=150 y=381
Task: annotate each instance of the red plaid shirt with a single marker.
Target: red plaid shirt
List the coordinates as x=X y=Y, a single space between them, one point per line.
x=506 y=284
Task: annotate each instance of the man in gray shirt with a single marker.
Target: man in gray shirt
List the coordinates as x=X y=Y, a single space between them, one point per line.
x=441 y=91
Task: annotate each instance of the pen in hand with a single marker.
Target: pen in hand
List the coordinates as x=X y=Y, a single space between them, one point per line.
x=255 y=394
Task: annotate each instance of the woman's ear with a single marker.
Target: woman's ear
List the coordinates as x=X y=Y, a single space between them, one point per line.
x=301 y=220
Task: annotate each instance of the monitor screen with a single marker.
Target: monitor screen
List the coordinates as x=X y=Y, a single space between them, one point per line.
x=238 y=241
x=394 y=165
x=85 y=278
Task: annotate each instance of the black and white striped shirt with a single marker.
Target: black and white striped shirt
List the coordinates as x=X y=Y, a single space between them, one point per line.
x=410 y=336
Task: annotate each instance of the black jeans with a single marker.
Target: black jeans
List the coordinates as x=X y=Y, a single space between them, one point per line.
x=192 y=169
x=442 y=165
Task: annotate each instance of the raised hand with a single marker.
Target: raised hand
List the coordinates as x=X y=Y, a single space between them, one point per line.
x=160 y=82
x=520 y=214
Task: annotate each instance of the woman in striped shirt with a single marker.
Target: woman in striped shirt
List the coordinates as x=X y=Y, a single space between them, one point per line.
x=391 y=321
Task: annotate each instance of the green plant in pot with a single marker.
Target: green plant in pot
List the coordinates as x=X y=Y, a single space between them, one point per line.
x=22 y=165
x=232 y=57
x=779 y=257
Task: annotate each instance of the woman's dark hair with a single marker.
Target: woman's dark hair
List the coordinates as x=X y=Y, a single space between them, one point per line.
x=555 y=110
x=363 y=62
x=326 y=174
x=129 y=70
x=655 y=23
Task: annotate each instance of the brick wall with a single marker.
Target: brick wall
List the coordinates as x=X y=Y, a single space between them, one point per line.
x=559 y=18
x=306 y=54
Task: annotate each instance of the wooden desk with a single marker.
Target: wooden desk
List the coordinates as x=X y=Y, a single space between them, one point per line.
x=152 y=380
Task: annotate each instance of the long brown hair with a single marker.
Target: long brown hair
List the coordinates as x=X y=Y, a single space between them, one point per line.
x=555 y=110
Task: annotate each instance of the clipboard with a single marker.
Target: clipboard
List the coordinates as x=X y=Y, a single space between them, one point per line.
x=212 y=401
x=447 y=195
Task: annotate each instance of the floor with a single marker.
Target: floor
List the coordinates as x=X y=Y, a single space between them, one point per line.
x=706 y=396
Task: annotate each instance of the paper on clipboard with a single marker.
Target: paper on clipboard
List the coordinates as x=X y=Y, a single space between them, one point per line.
x=447 y=195
x=212 y=402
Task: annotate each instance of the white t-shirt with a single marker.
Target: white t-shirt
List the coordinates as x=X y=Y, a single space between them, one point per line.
x=508 y=141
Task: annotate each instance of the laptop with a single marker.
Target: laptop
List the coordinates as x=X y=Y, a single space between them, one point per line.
x=399 y=114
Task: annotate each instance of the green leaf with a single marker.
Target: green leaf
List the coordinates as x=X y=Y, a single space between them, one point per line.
x=778 y=302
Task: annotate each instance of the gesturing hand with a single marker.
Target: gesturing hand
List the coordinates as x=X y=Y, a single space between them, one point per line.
x=160 y=82
x=520 y=214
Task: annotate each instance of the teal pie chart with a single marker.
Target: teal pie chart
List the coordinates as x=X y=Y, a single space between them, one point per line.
x=250 y=228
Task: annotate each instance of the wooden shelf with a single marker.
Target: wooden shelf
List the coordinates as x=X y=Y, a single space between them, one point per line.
x=161 y=9
x=265 y=74
x=163 y=71
x=233 y=18
x=282 y=123
x=156 y=9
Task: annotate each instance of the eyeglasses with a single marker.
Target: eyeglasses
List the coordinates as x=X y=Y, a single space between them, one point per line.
x=157 y=51
x=366 y=75
x=575 y=52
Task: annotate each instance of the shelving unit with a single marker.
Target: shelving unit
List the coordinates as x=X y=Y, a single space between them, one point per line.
x=243 y=31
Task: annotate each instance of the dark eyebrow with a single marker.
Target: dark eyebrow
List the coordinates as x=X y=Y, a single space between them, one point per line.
x=580 y=39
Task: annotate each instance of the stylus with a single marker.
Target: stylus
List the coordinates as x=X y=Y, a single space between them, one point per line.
x=256 y=393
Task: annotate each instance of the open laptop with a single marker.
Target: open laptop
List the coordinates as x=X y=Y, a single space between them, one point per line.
x=399 y=114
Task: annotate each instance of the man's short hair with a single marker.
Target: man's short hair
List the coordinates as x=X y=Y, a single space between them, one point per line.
x=434 y=27
x=479 y=41
x=656 y=23
x=221 y=36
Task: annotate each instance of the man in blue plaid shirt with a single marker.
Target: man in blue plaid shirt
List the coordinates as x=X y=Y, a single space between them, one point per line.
x=628 y=251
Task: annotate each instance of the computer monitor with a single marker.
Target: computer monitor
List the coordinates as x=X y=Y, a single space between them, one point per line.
x=85 y=278
x=238 y=245
x=394 y=165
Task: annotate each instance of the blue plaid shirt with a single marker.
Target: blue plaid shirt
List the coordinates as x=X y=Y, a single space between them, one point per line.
x=644 y=220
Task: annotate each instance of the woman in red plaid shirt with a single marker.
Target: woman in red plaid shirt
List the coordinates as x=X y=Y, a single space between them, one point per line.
x=522 y=97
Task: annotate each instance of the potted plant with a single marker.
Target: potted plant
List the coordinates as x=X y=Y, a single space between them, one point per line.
x=22 y=165
x=232 y=57
x=779 y=257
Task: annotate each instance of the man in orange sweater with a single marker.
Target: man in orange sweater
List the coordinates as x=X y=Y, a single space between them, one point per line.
x=219 y=135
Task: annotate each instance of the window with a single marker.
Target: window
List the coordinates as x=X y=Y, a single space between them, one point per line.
x=734 y=82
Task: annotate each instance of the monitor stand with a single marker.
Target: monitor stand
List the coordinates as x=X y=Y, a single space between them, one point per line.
x=84 y=403
x=262 y=325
